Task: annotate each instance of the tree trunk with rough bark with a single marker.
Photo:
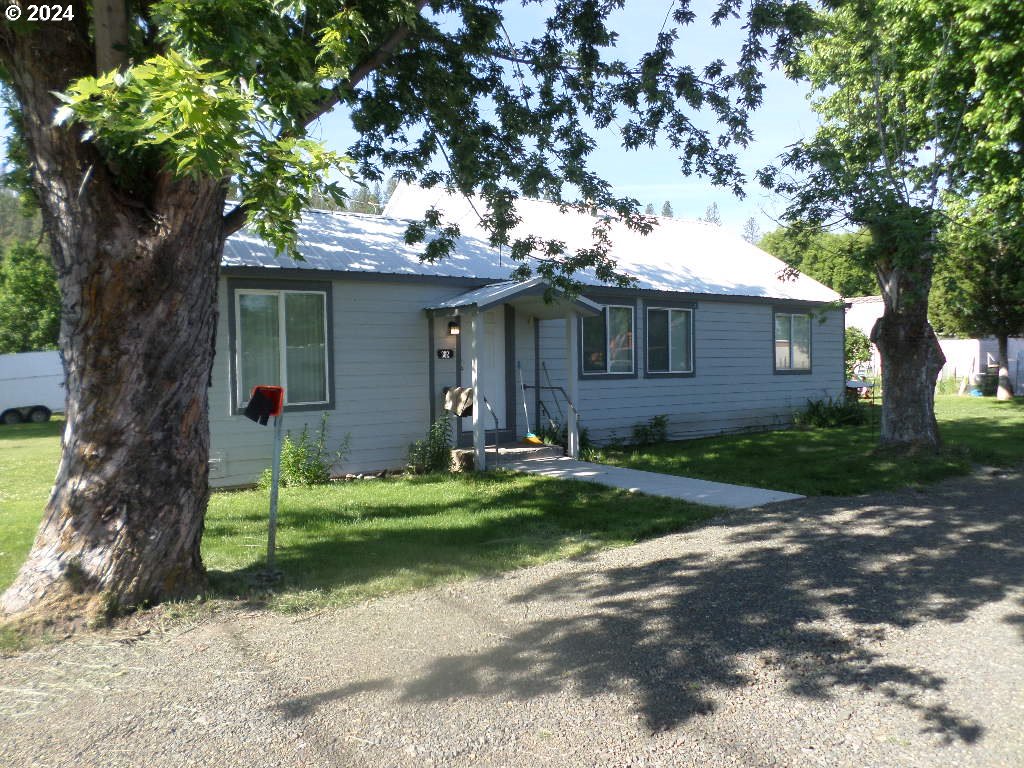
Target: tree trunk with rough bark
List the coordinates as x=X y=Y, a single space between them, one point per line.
x=137 y=267
x=1004 y=390
x=911 y=360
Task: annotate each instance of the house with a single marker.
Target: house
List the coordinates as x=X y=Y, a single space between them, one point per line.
x=964 y=357
x=366 y=332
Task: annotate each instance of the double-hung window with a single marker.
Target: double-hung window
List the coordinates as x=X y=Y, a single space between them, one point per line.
x=669 y=340
x=607 y=344
x=281 y=338
x=792 y=342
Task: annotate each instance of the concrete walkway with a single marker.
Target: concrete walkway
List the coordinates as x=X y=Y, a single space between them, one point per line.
x=653 y=483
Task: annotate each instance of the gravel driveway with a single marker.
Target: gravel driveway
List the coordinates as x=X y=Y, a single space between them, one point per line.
x=882 y=630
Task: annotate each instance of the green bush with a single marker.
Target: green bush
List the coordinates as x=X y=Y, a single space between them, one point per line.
x=858 y=350
x=555 y=434
x=434 y=453
x=654 y=431
x=307 y=461
x=831 y=413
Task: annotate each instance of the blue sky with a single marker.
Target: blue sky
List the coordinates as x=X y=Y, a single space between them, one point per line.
x=653 y=175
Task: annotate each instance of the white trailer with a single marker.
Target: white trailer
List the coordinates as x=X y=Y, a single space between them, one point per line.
x=31 y=387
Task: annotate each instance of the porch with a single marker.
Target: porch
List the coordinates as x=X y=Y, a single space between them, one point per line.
x=486 y=340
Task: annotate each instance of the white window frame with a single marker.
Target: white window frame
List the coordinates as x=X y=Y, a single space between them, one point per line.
x=607 y=343
x=810 y=344
x=647 y=340
x=282 y=339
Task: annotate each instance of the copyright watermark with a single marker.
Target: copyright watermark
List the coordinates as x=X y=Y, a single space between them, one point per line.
x=50 y=12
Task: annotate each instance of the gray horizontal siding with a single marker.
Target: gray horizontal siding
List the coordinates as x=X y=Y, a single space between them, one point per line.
x=381 y=374
x=734 y=388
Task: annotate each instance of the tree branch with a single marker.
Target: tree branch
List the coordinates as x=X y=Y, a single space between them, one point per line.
x=235 y=219
x=110 y=18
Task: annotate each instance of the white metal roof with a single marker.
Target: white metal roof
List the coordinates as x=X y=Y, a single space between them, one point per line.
x=511 y=291
x=679 y=255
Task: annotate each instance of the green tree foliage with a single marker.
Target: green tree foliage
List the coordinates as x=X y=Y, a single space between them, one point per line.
x=917 y=99
x=712 y=215
x=857 y=350
x=979 y=282
x=29 y=300
x=839 y=260
x=666 y=209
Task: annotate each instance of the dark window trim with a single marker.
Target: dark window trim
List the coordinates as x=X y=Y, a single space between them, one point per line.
x=592 y=376
x=789 y=310
x=234 y=285
x=665 y=304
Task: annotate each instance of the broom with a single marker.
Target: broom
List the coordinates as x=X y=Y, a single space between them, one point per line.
x=529 y=437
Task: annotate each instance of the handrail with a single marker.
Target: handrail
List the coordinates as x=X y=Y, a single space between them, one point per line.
x=497 y=435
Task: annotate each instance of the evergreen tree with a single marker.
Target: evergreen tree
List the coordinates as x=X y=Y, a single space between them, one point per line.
x=666 y=209
x=751 y=232
x=711 y=215
x=649 y=210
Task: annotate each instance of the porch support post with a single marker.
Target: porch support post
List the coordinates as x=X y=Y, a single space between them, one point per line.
x=572 y=357
x=476 y=348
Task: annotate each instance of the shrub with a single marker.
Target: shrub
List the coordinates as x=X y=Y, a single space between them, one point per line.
x=654 y=431
x=307 y=461
x=555 y=434
x=858 y=350
x=434 y=453
x=831 y=413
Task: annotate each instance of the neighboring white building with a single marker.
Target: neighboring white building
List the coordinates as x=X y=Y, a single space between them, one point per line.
x=963 y=356
x=361 y=330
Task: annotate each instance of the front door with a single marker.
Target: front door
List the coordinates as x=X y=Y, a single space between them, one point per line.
x=492 y=367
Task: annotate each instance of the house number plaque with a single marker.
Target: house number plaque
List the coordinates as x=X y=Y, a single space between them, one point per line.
x=446 y=354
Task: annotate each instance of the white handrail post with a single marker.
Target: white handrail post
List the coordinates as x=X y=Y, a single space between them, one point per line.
x=476 y=348
x=572 y=356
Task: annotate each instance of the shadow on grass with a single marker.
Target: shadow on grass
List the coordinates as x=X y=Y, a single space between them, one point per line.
x=671 y=632
x=497 y=522
x=52 y=428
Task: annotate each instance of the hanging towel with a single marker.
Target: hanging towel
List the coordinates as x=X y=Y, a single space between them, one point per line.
x=459 y=400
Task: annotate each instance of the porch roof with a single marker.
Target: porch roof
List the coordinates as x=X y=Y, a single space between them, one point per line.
x=531 y=296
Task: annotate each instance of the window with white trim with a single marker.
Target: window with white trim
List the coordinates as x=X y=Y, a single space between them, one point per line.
x=281 y=339
x=792 y=341
x=607 y=345
x=669 y=340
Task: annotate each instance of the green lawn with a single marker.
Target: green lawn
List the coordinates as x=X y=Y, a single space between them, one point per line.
x=28 y=463
x=349 y=541
x=818 y=462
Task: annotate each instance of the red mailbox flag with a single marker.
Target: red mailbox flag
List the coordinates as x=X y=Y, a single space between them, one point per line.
x=265 y=401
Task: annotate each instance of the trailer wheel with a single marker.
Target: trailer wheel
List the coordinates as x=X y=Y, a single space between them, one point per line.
x=39 y=414
x=11 y=417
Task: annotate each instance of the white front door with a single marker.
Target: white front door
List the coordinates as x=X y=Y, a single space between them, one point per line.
x=493 y=367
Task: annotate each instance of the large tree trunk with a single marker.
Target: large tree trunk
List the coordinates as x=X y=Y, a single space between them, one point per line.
x=911 y=361
x=124 y=521
x=1004 y=390
x=138 y=274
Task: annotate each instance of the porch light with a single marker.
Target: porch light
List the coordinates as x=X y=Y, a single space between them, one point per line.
x=453 y=328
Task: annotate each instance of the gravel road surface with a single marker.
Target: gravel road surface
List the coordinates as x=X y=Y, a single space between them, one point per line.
x=882 y=630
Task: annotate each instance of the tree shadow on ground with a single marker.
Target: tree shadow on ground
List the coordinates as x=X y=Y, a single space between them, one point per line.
x=497 y=528
x=812 y=589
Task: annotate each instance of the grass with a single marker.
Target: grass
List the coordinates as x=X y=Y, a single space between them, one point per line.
x=28 y=463
x=823 y=462
x=346 y=542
